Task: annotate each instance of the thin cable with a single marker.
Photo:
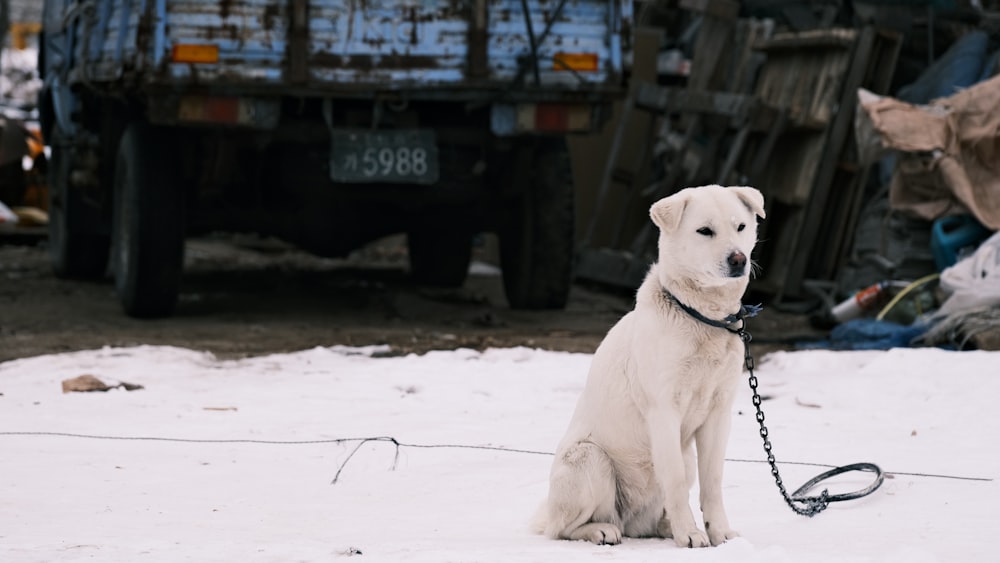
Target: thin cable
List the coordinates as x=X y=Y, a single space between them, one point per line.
x=270 y=442
x=407 y=445
x=188 y=440
x=888 y=472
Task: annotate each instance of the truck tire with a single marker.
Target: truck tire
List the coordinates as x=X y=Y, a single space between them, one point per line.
x=148 y=230
x=78 y=243
x=439 y=258
x=537 y=234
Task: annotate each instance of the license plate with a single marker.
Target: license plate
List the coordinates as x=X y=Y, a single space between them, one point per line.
x=404 y=156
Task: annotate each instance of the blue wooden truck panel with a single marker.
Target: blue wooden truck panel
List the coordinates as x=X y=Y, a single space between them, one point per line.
x=351 y=45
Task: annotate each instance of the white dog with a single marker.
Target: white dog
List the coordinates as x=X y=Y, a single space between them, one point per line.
x=661 y=383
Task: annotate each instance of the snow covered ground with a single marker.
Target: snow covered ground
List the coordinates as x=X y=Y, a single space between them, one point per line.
x=234 y=460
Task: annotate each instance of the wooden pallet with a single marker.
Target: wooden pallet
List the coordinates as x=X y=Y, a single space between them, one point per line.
x=814 y=187
x=718 y=122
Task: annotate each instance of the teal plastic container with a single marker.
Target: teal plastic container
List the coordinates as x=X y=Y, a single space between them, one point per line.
x=952 y=234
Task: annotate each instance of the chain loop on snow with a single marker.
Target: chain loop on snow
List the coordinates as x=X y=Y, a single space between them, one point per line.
x=798 y=501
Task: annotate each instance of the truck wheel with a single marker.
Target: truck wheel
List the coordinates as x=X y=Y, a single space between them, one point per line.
x=78 y=245
x=439 y=258
x=536 y=236
x=148 y=236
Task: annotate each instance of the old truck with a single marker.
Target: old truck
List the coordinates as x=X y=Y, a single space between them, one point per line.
x=325 y=123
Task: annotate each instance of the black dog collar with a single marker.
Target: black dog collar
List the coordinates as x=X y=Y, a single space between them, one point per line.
x=746 y=311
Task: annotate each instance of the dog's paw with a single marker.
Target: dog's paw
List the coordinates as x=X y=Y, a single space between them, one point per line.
x=718 y=537
x=691 y=538
x=600 y=533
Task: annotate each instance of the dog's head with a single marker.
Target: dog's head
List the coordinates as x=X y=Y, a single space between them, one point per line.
x=707 y=235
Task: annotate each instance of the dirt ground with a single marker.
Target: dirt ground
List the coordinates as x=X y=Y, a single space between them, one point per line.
x=245 y=296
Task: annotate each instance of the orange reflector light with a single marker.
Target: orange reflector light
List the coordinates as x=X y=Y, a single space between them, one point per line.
x=187 y=53
x=582 y=62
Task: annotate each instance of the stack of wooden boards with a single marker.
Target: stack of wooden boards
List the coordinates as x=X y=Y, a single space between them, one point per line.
x=772 y=110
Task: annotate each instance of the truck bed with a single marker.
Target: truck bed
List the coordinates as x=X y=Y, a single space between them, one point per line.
x=470 y=49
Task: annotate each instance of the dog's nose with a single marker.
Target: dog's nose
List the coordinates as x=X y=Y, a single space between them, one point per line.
x=737 y=264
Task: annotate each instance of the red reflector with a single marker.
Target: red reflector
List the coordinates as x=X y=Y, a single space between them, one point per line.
x=226 y=110
x=209 y=109
x=551 y=117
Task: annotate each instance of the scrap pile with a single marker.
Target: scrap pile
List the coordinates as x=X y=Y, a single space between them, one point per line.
x=871 y=127
x=23 y=197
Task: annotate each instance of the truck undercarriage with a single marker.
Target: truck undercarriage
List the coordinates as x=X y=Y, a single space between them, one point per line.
x=326 y=128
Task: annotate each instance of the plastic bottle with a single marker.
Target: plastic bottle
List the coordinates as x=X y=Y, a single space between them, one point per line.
x=855 y=305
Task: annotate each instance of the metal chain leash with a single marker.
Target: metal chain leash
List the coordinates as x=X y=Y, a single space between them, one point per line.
x=812 y=505
x=797 y=501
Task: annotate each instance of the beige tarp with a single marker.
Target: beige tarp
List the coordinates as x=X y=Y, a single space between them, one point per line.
x=950 y=159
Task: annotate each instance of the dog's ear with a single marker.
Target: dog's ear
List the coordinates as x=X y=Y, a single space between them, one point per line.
x=667 y=212
x=752 y=198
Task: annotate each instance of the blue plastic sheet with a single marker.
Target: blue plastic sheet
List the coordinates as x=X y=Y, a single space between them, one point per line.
x=960 y=67
x=869 y=334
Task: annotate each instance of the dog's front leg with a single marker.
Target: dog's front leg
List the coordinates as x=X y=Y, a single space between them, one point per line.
x=711 y=440
x=668 y=467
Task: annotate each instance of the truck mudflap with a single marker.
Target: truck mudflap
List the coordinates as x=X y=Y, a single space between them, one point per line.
x=519 y=49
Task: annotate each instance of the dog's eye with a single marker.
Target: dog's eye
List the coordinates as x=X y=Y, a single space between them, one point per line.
x=706 y=231
x=741 y=227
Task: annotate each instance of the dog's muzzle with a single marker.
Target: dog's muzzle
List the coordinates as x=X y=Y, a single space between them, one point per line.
x=737 y=262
